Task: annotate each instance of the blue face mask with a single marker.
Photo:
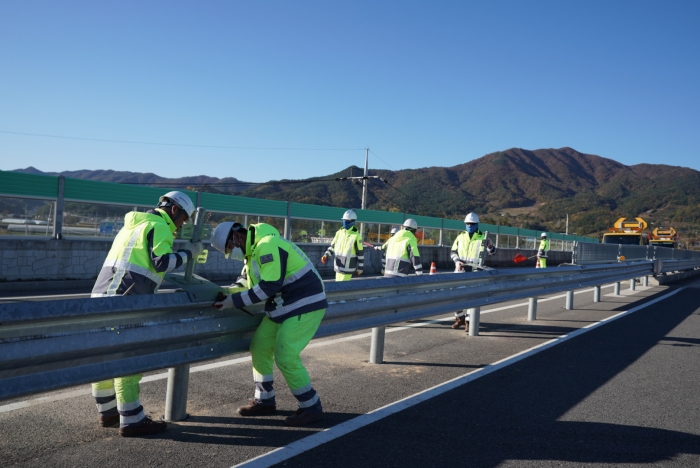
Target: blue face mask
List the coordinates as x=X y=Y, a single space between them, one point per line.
x=348 y=224
x=472 y=228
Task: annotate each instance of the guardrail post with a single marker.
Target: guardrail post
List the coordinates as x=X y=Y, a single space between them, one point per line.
x=288 y=223
x=633 y=284
x=179 y=376
x=646 y=281
x=569 y=300
x=532 y=309
x=596 y=293
x=376 y=351
x=58 y=210
x=474 y=319
x=616 y=289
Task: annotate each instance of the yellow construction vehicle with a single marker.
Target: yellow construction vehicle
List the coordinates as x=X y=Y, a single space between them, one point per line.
x=664 y=237
x=627 y=233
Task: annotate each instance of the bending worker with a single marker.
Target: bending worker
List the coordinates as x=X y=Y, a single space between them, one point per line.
x=402 y=252
x=275 y=267
x=141 y=254
x=465 y=253
x=347 y=248
x=542 y=251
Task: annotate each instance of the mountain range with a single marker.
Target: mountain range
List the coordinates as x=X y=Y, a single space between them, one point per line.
x=526 y=188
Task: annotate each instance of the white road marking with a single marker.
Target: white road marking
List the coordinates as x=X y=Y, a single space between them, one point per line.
x=231 y=362
x=307 y=443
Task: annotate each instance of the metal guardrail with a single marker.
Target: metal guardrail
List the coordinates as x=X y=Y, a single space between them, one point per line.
x=48 y=345
x=586 y=253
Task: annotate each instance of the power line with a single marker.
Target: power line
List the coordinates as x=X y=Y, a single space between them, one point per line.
x=178 y=144
x=383 y=160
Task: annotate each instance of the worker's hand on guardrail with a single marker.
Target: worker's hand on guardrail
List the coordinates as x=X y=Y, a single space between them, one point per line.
x=324 y=259
x=358 y=272
x=223 y=303
x=195 y=248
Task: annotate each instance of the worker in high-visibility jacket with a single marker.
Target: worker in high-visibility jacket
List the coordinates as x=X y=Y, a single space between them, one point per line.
x=141 y=255
x=542 y=251
x=383 y=247
x=402 y=252
x=347 y=248
x=281 y=275
x=465 y=253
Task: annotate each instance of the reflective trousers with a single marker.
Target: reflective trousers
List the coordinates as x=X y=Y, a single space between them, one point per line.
x=543 y=262
x=120 y=395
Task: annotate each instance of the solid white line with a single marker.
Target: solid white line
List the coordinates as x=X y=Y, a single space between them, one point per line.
x=307 y=443
x=231 y=362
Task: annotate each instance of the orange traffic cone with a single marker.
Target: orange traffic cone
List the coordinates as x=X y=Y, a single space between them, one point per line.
x=537 y=265
x=433 y=270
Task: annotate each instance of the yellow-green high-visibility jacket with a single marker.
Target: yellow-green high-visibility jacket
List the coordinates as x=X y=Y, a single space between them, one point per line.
x=141 y=255
x=280 y=274
x=466 y=249
x=402 y=253
x=348 y=250
x=544 y=248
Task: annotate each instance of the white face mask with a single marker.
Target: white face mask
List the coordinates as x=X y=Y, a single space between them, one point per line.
x=236 y=254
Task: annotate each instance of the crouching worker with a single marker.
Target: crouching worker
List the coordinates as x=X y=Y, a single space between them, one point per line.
x=141 y=255
x=280 y=274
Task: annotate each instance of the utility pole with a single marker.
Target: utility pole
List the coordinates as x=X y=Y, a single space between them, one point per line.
x=364 y=192
x=567 y=223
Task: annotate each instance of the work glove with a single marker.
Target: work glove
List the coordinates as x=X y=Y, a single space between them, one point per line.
x=223 y=301
x=419 y=272
x=358 y=272
x=324 y=259
x=382 y=271
x=377 y=247
x=195 y=248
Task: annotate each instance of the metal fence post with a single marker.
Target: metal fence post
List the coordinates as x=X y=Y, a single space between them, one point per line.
x=569 y=300
x=58 y=210
x=616 y=289
x=442 y=228
x=376 y=351
x=596 y=293
x=633 y=284
x=288 y=223
x=532 y=309
x=179 y=376
x=474 y=319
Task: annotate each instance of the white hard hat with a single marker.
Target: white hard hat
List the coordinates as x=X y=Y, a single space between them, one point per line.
x=181 y=200
x=471 y=218
x=544 y=234
x=394 y=230
x=219 y=236
x=411 y=223
x=349 y=216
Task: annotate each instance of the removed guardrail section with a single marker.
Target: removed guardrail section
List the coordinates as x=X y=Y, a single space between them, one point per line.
x=586 y=253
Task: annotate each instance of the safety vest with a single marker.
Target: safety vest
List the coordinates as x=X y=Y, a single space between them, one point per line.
x=129 y=262
x=544 y=248
x=402 y=253
x=280 y=274
x=467 y=249
x=348 y=251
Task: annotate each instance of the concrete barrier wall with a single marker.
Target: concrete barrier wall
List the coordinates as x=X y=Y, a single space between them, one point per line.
x=29 y=259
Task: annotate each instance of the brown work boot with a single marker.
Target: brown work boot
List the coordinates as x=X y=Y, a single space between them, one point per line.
x=302 y=418
x=459 y=322
x=254 y=409
x=109 y=421
x=148 y=427
x=466 y=326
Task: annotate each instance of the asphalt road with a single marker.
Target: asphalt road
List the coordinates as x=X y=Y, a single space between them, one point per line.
x=626 y=392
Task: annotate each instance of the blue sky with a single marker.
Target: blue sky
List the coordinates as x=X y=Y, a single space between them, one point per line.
x=419 y=83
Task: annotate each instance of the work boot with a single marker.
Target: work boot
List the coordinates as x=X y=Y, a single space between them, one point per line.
x=459 y=322
x=466 y=326
x=148 y=427
x=109 y=421
x=302 y=418
x=254 y=409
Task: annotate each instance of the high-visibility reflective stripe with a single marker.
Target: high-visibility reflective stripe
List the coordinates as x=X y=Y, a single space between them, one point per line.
x=129 y=406
x=263 y=378
x=302 y=390
x=264 y=395
x=307 y=403
x=102 y=407
x=245 y=297
x=297 y=274
x=124 y=420
x=286 y=309
x=101 y=393
x=308 y=263
x=119 y=275
x=128 y=266
x=259 y=292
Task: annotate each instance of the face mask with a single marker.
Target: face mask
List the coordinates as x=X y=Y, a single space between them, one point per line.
x=472 y=228
x=348 y=224
x=236 y=254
